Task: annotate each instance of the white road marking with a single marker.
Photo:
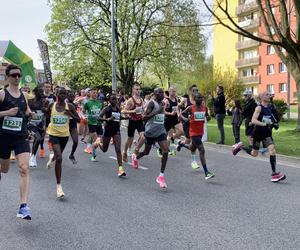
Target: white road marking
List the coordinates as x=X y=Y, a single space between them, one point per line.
x=129 y=163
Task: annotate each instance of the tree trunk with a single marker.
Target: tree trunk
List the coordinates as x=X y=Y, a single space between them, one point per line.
x=298 y=94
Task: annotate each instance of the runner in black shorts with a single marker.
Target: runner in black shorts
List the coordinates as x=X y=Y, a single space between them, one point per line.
x=14 y=112
x=112 y=117
x=262 y=119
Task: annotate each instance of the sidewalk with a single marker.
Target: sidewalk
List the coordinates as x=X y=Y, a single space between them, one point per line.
x=281 y=159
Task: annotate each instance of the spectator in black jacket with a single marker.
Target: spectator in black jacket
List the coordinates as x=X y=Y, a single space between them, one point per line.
x=220 y=111
x=247 y=113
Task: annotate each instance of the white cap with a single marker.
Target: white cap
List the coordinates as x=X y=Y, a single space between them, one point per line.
x=247 y=92
x=87 y=90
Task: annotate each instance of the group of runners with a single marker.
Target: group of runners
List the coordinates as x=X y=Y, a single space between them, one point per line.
x=161 y=121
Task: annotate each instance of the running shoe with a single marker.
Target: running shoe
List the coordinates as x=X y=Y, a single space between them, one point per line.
x=93 y=158
x=134 y=161
x=42 y=153
x=158 y=151
x=32 y=161
x=24 y=213
x=278 y=177
x=121 y=172
x=194 y=165
x=179 y=146
x=59 y=192
x=161 y=181
x=50 y=161
x=124 y=157
x=12 y=156
x=82 y=140
x=172 y=151
x=209 y=175
x=237 y=148
x=72 y=159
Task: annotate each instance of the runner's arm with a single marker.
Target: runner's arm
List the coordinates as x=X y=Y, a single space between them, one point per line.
x=255 y=116
x=148 y=114
x=188 y=109
x=72 y=113
x=102 y=116
x=128 y=107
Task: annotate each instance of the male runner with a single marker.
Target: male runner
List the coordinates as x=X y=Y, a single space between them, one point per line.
x=263 y=119
x=14 y=112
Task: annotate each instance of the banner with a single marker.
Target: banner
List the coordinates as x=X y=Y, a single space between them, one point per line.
x=45 y=59
x=11 y=53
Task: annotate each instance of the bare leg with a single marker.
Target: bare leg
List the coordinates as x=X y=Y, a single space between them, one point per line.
x=23 y=160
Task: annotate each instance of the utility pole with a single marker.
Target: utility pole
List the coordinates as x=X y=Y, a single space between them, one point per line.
x=113 y=56
x=289 y=76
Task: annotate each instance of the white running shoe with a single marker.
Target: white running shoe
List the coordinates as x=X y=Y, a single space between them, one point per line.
x=50 y=161
x=32 y=161
x=59 y=192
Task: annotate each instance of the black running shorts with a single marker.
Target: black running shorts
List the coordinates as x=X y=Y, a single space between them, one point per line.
x=18 y=144
x=135 y=125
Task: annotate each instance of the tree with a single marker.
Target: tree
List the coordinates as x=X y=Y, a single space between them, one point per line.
x=86 y=24
x=277 y=31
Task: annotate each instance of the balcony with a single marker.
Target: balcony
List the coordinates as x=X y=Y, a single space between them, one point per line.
x=242 y=63
x=250 y=80
x=250 y=24
x=246 y=44
x=246 y=8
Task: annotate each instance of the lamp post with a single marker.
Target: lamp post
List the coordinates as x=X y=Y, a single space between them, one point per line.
x=113 y=56
x=289 y=79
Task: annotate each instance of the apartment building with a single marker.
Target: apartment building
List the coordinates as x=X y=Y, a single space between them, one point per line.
x=257 y=65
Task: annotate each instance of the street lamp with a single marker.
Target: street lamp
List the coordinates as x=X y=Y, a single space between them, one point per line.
x=113 y=56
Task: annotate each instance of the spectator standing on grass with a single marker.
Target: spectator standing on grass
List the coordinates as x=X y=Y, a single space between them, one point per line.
x=220 y=111
x=236 y=120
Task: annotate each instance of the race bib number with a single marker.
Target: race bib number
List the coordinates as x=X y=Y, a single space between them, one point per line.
x=59 y=120
x=95 y=112
x=38 y=117
x=12 y=123
x=139 y=110
x=199 y=116
x=116 y=115
x=266 y=119
x=174 y=108
x=159 y=119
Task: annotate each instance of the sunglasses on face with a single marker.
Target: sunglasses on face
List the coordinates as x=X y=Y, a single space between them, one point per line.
x=15 y=75
x=195 y=90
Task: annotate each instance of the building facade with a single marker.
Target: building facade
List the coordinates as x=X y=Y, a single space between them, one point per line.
x=257 y=65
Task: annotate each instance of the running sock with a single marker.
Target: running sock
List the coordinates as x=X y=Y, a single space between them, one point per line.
x=193 y=157
x=23 y=205
x=161 y=174
x=205 y=169
x=273 y=163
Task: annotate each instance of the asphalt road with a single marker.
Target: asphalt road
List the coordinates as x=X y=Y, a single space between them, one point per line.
x=239 y=209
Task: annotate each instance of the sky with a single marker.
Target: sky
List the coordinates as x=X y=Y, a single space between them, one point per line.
x=23 y=22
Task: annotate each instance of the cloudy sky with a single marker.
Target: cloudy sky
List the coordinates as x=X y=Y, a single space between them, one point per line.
x=23 y=22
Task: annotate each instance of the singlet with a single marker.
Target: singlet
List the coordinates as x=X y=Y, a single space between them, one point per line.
x=38 y=120
x=139 y=110
x=155 y=126
x=172 y=107
x=265 y=116
x=93 y=108
x=51 y=98
x=59 y=122
x=17 y=124
x=197 y=121
x=186 y=115
x=115 y=124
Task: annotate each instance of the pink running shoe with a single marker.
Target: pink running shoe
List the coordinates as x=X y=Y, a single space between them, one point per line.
x=135 y=162
x=278 y=177
x=161 y=181
x=237 y=148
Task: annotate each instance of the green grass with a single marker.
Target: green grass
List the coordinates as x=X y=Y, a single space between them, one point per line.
x=286 y=139
x=294 y=109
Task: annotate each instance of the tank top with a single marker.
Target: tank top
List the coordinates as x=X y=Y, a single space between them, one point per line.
x=115 y=124
x=17 y=124
x=155 y=126
x=38 y=119
x=265 y=116
x=139 y=110
x=59 y=122
x=197 y=121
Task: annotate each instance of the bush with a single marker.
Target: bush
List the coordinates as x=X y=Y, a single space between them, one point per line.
x=281 y=107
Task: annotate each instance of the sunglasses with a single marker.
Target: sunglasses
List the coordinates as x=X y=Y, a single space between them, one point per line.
x=15 y=75
x=195 y=90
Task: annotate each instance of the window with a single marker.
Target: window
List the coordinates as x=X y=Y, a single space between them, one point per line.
x=282 y=67
x=2 y=77
x=270 y=69
x=283 y=87
x=270 y=88
x=270 y=50
x=248 y=72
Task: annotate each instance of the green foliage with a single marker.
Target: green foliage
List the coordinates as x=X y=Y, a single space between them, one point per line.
x=281 y=107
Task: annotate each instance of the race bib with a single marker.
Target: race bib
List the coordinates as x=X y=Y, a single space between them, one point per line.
x=174 y=108
x=59 y=120
x=266 y=119
x=159 y=119
x=38 y=117
x=199 y=116
x=12 y=123
x=139 y=110
x=116 y=115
